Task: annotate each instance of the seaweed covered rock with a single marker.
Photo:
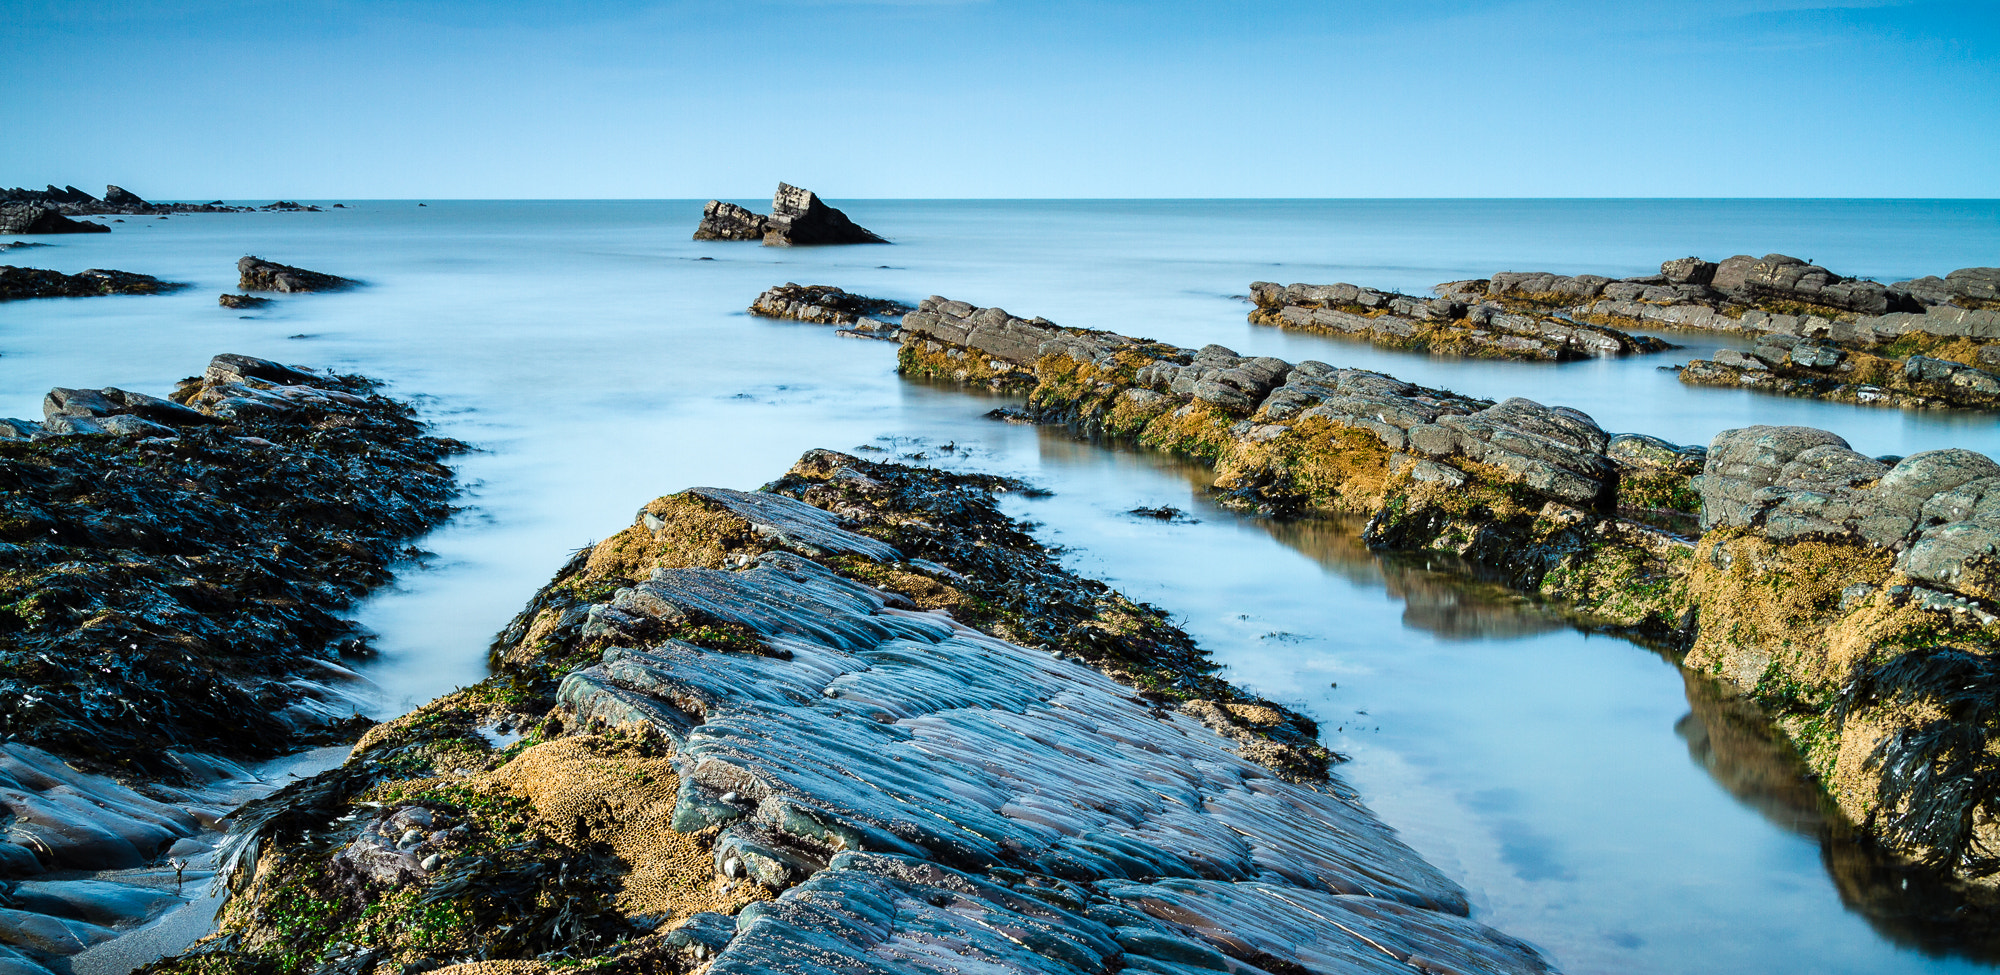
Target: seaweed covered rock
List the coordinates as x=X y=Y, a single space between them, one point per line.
x=258 y=274
x=174 y=569
x=857 y=315
x=1443 y=325
x=837 y=724
x=1823 y=369
x=30 y=282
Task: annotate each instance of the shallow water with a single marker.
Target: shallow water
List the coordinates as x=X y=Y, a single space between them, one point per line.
x=1567 y=781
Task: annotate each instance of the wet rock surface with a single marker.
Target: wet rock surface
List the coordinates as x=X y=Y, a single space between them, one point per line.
x=797 y=217
x=258 y=274
x=1444 y=325
x=853 y=314
x=36 y=218
x=1822 y=369
x=28 y=282
x=876 y=728
x=1844 y=594
x=242 y=301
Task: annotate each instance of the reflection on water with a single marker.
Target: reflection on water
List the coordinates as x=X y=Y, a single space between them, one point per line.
x=1735 y=742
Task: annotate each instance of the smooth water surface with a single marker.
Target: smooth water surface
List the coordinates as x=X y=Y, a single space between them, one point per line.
x=1588 y=798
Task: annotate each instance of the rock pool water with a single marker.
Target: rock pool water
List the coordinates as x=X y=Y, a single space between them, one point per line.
x=1585 y=796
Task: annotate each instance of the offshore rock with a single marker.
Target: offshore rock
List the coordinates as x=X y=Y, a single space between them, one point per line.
x=35 y=218
x=798 y=216
x=71 y=201
x=809 y=747
x=727 y=221
x=29 y=282
x=1822 y=369
x=1444 y=325
x=827 y=305
x=258 y=274
x=243 y=301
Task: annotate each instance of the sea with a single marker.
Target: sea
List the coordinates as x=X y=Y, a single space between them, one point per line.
x=1591 y=797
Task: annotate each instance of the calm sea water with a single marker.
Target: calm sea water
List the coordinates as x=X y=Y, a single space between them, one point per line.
x=1588 y=797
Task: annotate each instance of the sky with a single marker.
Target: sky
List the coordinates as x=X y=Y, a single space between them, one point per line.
x=330 y=99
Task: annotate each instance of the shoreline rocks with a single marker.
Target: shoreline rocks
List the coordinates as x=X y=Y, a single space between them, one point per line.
x=1442 y=326
x=72 y=202
x=173 y=572
x=1830 y=588
x=258 y=274
x=1787 y=302
x=837 y=723
x=43 y=219
x=798 y=217
x=856 y=316
x=1821 y=369
x=18 y=283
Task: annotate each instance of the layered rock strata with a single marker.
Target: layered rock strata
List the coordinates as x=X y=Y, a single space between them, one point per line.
x=857 y=721
x=32 y=282
x=854 y=315
x=797 y=217
x=1445 y=326
x=1784 y=301
x=1846 y=595
x=173 y=572
x=257 y=274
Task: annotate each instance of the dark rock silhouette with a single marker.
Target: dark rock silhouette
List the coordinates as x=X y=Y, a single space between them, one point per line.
x=798 y=216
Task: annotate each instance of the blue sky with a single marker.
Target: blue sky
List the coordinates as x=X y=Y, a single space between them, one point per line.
x=991 y=98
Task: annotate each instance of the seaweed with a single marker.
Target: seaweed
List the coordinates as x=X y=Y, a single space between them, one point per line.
x=536 y=899
x=1939 y=774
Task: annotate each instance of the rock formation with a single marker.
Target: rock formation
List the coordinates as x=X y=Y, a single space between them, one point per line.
x=34 y=218
x=1439 y=325
x=242 y=301
x=1823 y=369
x=857 y=316
x=261 y=275
x=797 y=217
x=1787 y=303
x=172 y=577
x=71 y=201
x=727 y=221
x=30 y=282
x=1856 y=599
x=857 y=721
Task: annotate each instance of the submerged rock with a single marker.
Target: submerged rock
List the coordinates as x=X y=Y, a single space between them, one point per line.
x=827 y=305
x=243 y=301
x=29 y=282
x=262 y=275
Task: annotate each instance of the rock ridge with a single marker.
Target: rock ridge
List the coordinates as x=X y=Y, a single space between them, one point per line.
x=1445 y=325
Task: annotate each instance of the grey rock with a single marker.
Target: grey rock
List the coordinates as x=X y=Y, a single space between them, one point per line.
x=800 y=217
x=1688 y=270
x=257 y=274
x=43 y=219
x=1743 y=461
x=727 y=221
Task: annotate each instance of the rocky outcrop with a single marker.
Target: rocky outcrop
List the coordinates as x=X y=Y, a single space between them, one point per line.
x=1855 y=599
x=1445 y=326
x=1823 y=369
x=31 y=218
x=29 y=282
x=258 y=274
x=71 y=201
x=857 y=721
x=798 y=217
x=243 y=301
x=727 y=221
x=173 y=576
x=855 y=315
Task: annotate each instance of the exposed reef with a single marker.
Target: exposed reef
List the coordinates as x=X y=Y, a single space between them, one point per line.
x=172 y=574
x=1820 y=334
x=29 y=218
x=797 y=217
x=242 y=301
x=257 y=274
x=70 y=201
x=857 y=721
x=1445 y=326
x=857 y=316
x=1855 y=599
x=34 y=282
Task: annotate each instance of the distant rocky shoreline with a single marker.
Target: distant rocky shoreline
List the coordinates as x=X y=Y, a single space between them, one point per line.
x=49 y=211
x=1446 y=325
x=1849 y=596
